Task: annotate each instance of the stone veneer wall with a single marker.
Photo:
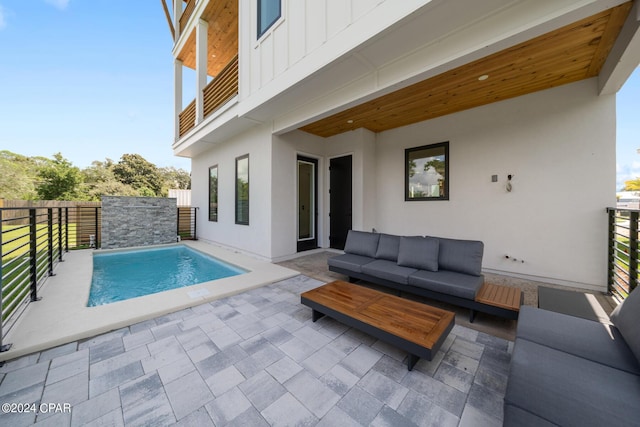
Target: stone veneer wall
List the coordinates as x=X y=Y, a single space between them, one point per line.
x=138 y=221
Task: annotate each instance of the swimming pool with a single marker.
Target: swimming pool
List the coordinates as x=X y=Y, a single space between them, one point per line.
x=122 y=275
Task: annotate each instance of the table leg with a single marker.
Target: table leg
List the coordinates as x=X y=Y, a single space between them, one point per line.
x=412 y=361
x=315 y=315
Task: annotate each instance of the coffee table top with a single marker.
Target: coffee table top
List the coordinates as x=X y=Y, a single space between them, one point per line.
x=415 y=322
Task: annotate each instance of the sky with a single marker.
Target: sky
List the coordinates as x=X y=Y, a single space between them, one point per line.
x=93 y=79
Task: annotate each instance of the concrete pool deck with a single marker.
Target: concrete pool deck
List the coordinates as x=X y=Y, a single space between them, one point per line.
x=62 y=316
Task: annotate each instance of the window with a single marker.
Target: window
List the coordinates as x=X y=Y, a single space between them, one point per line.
x=427 y=172
x=242 y=190
x=268 y=13
x=213 y=193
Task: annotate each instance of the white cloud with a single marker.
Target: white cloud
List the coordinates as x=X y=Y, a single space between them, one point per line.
x=3 y=21
x=58 y=4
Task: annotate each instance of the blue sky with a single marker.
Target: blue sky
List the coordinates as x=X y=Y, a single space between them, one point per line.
x=93 y=79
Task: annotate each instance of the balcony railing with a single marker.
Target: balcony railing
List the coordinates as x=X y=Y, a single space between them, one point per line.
x=623 y=251
x=220 y=90
x=33 y=241
x=188 y=118
x=186 y=14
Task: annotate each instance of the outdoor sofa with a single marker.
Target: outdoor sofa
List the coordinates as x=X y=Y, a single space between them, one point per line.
x=571 y=371
x=447 y=270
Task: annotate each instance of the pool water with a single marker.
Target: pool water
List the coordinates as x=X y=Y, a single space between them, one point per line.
x=122 y=275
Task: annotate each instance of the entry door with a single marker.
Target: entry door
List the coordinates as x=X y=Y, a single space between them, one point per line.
x=340 y=201
x=307 y=203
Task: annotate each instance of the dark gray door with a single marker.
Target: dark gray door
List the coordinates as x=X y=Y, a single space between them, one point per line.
x=340 y=200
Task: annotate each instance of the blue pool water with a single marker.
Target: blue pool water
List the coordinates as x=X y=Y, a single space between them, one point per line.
x=122 y=275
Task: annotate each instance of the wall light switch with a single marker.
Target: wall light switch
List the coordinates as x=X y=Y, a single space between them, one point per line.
x=494 y=178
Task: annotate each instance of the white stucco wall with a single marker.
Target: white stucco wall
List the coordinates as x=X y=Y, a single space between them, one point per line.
x=255 y=238
x=558 y=144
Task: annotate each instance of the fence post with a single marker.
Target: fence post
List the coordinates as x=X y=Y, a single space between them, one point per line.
x=50 y=240
x=195 y=222
x=33 y=253
x=66 y=229
x=60 y=235
x=96 y=227
x=177 y=222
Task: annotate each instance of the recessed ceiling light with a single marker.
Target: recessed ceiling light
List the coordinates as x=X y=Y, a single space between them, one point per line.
x=483 y=77
x=349 y=121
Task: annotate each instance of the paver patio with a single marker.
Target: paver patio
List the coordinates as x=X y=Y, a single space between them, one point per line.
x=257 y=359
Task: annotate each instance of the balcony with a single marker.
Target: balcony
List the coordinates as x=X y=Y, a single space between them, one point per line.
x=220 y=90
x=186 y=14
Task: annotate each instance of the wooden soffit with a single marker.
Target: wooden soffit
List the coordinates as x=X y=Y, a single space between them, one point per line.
x=574 y=52
x=222 y=37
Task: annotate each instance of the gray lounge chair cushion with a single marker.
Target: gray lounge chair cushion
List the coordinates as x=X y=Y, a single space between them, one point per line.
x=568 y=390
x=584 y=338
x=626 y=317
x=362 y=243
x=463 y=256
x=448 y=282
x=349 y=262
x=388 y=247
x=578 y=304
x=388 y=270
x=418 y=252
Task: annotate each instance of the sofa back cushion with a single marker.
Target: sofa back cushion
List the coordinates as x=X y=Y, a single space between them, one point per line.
x=626 y=317
x=362 y=243
x=388 y=247
x=418 y=252
x=462 y=256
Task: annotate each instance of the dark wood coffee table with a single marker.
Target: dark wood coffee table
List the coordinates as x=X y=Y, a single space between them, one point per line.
x=416 y=328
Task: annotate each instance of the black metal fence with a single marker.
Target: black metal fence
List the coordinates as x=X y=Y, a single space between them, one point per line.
x=33 y=241
x=623 y=251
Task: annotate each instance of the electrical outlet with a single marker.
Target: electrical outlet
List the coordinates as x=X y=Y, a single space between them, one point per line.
x=494 y=178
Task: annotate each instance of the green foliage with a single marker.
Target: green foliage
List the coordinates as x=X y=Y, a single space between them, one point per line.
x=27 y=178
x=59 y=179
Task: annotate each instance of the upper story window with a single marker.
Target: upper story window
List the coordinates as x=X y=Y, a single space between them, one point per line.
x=269 y=12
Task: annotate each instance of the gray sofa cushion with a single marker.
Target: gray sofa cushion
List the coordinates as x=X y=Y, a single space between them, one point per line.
x=568 y=390
x=418 y=252
x=448 y=282
x=514 y=416
x=362 y=243
x=388 y=270
x=349 y=262
x=388 y=247
x=626 y=317
x=463 y=256
x=584 y=338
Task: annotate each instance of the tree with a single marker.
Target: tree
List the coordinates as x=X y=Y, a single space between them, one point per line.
x=99 y=180
x=17 y=176
x=134 y=170
x=632 y=185
x=59 y=179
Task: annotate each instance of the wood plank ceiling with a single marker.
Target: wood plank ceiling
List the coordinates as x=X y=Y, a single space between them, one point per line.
x=566 y=55
x=222 y=37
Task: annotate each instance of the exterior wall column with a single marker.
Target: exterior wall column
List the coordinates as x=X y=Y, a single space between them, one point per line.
x=201 y=67
x=177 y=96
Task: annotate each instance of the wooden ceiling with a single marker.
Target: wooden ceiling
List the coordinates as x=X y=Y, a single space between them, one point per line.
x=569 y=54
x=222 y=37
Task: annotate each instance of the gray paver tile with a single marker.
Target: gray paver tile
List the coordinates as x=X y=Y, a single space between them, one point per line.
x=287 y=411
x=176 y=369
x=68 y=370
x=340 y=380
x=495 y=381
x=19 y=363
x=145 y=403
x=321 y=361
x=60 y=419
x=337 y=417
x=112 y=419
x=387 y=417
x=472 y=417
x=142 y=326
x=360 y=405
x=454 y=377
x=262 y=390
x=118 y=333
x=311 y=337
x=424 y=412
x=94 y=408
x=312 y=393
x=227 y=407
x=467 y=348
x=70 y=358
x=384 y=389
x=389 y=350
x=58 y=351
x=202 y=351
x=225 y=380
x=284 y=369
x=127 y=358
x=297 y=349
x=199 y=418
x=250 y=417
x=443 y=395
x=138 y=339
x=392 y=368
x=462 y=362
x=24 y=377
x=224 y=337
x=193 y=338
x=486 y=401
x=188 y=393
x=360 y=360
x=164 y=357
x=114 y=378
x=72 y=390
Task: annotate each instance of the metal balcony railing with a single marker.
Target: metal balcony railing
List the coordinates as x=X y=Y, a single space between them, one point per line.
x=623 y=252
